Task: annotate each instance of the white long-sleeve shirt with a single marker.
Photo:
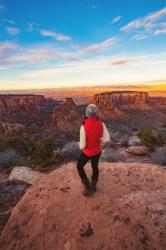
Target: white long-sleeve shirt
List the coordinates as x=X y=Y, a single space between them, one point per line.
x=104 y=139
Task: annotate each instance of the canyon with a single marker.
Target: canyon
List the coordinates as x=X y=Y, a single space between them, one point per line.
x=132 y=195
x=19 y=112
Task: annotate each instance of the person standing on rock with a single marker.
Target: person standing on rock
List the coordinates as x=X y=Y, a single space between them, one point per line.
x=93 y=134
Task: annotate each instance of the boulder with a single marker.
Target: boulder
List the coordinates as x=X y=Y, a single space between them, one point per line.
x=137 y=150
x=128 y=211
x=24 y=174
x=134 y=141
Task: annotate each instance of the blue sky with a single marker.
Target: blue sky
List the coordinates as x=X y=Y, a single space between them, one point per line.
x=46 y=44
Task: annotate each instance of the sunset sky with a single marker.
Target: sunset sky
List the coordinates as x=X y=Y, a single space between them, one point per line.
x=54 y=43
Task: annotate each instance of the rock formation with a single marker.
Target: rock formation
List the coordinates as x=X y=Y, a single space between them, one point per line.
x=17 y=103
x=24 y=109
x=66 y=116
x=138 y=150
x=8 y=129
x=157 y=102
x=127 y=212
x=112 y=104
x=24 y=174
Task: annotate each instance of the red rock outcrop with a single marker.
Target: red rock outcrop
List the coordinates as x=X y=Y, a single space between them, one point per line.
x=112 y=104
x=25 y=109
x=157 y=102
x=8 y=129
x=66 y=116
x=16 y=103
x=127 y=212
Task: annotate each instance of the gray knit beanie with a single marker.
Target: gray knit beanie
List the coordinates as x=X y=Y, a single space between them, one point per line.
x=91 y=110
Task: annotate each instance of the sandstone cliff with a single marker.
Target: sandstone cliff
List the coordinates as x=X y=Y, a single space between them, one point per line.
x=112 y=104
x=25 y=109
x=16 y=103
x=127 y=212
x=8 y=129
x=66 y=116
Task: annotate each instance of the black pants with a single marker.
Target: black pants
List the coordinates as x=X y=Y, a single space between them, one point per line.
x=83 y=159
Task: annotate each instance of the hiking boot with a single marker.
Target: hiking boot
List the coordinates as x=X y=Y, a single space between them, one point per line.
x=87 y=187
x=93 y=184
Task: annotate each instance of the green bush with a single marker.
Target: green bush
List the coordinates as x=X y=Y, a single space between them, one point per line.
x=148 y=139
x=22 y=145
x=43 y=151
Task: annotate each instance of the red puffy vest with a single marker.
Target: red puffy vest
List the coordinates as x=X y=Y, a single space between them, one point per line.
x=94 y=131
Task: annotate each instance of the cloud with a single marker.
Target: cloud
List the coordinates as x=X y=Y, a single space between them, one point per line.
x=116 y=19
x=32 y=27
x=2 y=8
x=120 y=62
x=132 y=25
x=55 y=35
x=105 y=44
x=160 y=32
x=8 y=21
x=156 y=15
x=12 y=31
x=32 y=56
x=147 y=25
x=140 y=36
x=97 y=65
x=6 y=46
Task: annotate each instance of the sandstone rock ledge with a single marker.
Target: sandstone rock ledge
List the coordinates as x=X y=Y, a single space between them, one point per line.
x=127 y=212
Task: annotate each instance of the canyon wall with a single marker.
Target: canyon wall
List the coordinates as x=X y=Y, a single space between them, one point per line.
x=66 y=116
x=19 y=103
x=113 y=103
x=26 y=109
x=8 y=129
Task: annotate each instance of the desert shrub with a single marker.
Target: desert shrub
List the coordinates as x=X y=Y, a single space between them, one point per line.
x=115 y=136
x=159 y=156
x=43 y=151
x=59 y=156
x=22 y=145
x=116 y=157
x=148 y=139
x=71 y=150
x=109 y=156
x=106 y=155
x=161 y=136
x=125 y=141
x=9 y=158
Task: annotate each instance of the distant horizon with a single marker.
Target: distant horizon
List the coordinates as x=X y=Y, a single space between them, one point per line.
x=50 y=44
x=118 y=85
x=151 y=88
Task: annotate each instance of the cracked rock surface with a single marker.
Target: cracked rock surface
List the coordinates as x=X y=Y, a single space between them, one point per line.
x=127 y=212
